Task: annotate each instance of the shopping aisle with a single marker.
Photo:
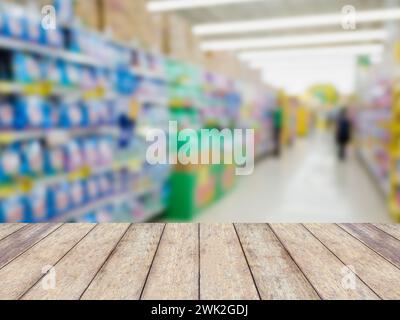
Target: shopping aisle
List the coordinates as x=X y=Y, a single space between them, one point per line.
x=307 y=184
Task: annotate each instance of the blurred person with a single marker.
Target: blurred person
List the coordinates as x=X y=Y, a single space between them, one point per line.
x=343 y=133
x=277 y=130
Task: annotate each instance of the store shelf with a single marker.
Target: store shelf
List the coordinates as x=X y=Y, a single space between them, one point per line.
x=151 y=214
x=44 y=89
x=382 y=184
x=55 y=136
x=19 y=45
x=81 y=211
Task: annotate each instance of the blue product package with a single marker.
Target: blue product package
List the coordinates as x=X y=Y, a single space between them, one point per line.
x=32 y=30
x=106 y=149
x=10 y=163
x=75 y=40
x=103 y=78
x=126 y=82
x=37 y=205
x=52 y=38
x=33 y=113
x=71 y=74
x=105 y=113
x=26 y=68
x=78 y=195
x=111 y=112
x=105 y=214
x=54 y=161
x=105 y=184
x=65 y=11
x=90 y=151
x=73 y=155
x=2 y=23
x=88 y=78
x=32 y=159
x=7 y=114
x=13 y=25
x=59 y=199
x=89 y=218
x=72 y=115
x=13 y=210
x=52 y=71
x=92 y=189
x=93 y=113
x=53 y=115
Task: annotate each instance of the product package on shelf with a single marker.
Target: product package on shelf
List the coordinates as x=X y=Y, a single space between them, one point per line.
x=378 y=133
x=70 y=148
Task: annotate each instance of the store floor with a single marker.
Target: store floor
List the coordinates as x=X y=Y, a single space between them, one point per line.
x=307 y=184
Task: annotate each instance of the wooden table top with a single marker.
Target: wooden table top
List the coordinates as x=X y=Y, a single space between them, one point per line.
x=192 y=261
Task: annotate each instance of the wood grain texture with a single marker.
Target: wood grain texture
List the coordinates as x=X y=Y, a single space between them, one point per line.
x=7 y=229
x=379 y=274
x=78 y=268
x=124 y=274
x=20 y=241
x=224 y=273
x=122 y=261
x=23 y=272
x=376 y=239
x=320 y=266
x=174 y=274
x=275 y=273
x=392 y=229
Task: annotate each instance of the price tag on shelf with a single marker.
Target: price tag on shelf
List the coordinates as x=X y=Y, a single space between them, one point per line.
x=6 y=138
x=134 y=109
x=6 y=87
x=42 y=89
x=7 y=191
x=134 y=165
x=86 y=172
x=26 y=184
x=96 y=93
x=80 y=174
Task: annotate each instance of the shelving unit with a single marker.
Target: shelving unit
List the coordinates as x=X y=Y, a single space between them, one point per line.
x=394 y=195
x=146 y=91
x=126 y=161
x=378 y=130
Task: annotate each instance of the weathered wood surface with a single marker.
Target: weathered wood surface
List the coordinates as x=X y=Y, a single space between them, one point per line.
x=207 y=261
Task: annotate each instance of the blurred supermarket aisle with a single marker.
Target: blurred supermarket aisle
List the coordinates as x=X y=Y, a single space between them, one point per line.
x=307 y=184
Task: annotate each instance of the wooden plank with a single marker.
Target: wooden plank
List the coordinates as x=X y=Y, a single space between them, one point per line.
x=376 y=239
x=392 y=229
x=77 y=269
x=379 y=274
x=20 y=241
x=132 y=258
x=320 y=266
x=7 y=229
x=22 y=273
x=275 y=273
x=224 y=273
x=174 y=274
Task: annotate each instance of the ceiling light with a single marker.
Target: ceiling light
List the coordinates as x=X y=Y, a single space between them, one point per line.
x=313 y=52
x=293 y=41
x=171 y=5
x=295 y=22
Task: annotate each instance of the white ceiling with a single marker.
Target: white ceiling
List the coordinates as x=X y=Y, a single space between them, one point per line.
x=274 y=9
x=299 y=79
